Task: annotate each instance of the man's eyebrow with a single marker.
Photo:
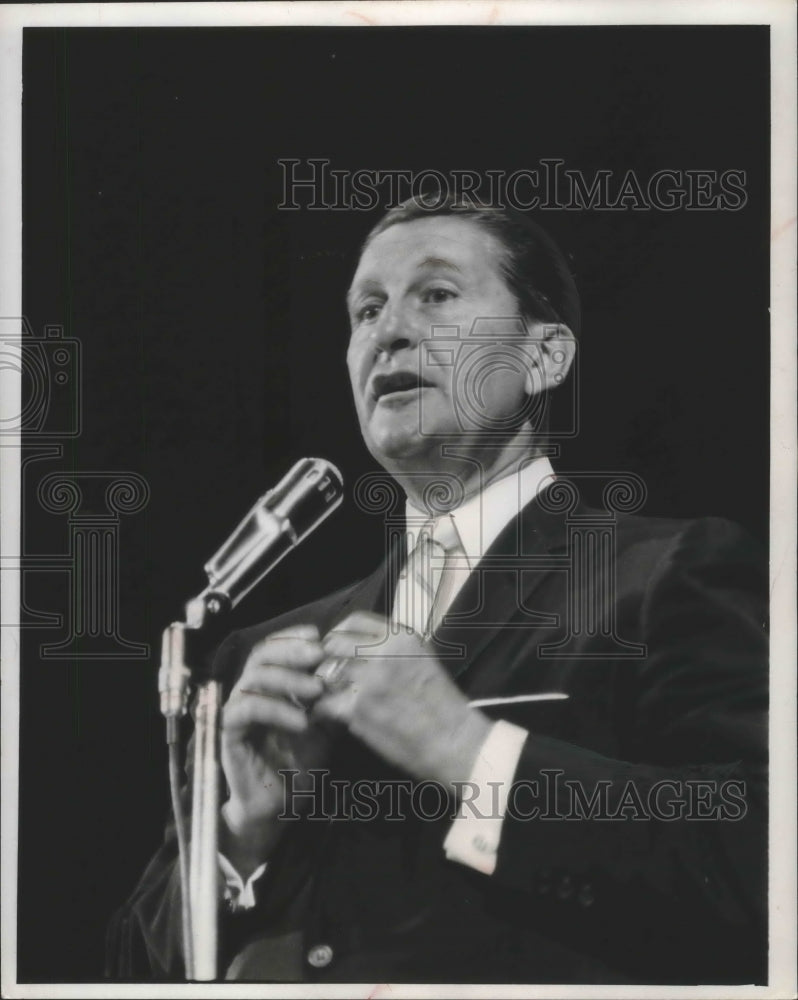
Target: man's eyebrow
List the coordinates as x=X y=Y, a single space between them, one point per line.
x=438 y=262
x=361 y=286
x=367 y=283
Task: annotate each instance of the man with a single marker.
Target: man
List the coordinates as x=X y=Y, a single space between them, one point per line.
x=586 y=689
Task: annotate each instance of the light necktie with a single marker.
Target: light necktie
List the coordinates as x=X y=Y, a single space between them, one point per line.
x=419 y=585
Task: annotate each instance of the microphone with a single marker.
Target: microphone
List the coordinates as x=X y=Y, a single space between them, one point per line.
x=277 y=523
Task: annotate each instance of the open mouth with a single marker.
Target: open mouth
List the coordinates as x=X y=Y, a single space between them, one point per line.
x=397 y=384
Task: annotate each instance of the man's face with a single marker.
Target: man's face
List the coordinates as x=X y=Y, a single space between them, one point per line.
x=415 y=276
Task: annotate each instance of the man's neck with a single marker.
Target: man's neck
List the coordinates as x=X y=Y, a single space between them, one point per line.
x=459 y=472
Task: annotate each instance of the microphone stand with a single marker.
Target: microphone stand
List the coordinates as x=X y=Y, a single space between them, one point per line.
x=204 y=867
x=184 y=651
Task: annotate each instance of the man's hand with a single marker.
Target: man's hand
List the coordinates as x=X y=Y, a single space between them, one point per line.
x=397 y=698
x=265 y=729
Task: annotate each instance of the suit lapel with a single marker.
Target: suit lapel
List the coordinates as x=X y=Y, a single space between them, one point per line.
x=520 y=560
x=376 y=592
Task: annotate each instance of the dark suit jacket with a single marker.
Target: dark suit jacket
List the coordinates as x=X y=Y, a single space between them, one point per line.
x=661 y=649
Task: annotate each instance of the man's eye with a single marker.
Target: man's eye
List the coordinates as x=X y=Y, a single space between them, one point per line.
x=368 y=312
x=439 y=295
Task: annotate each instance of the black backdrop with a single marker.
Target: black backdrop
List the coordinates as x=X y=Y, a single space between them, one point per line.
x=213 y=333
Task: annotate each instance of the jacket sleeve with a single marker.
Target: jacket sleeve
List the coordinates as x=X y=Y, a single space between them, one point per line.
x=143 y=940
x=678 y=818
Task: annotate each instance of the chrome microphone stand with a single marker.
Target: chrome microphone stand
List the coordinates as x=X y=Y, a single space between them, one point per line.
x=184 y=642
x=204 y=867
x=277 y=523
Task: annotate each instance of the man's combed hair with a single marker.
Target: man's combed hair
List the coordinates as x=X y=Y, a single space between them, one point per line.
x=533 y=266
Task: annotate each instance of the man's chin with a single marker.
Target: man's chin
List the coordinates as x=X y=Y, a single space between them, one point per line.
x=398 y=441
x=396 y=448
x=397 y=444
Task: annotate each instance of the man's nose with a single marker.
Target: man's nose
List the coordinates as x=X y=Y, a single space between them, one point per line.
x=396 y=330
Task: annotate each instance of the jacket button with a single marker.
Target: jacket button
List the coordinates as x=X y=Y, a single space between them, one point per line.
x=565 y=887
x=586 y=896
x=320 y=956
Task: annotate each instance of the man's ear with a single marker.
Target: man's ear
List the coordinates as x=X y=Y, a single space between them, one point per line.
x=555 y=350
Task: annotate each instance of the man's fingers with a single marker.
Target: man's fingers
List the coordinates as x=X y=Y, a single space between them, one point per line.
x=336 y=707
x=371 y=625
x=245 y=710
x=275 y=680
x=295 y=632
x=295 y=651
x=339 y=644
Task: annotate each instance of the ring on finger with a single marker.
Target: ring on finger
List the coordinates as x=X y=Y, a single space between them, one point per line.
x=332 y=671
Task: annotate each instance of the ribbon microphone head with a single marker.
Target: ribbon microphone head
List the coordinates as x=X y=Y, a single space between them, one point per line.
x=278 y=522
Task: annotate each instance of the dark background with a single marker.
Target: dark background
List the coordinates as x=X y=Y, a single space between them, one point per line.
x=213 y=333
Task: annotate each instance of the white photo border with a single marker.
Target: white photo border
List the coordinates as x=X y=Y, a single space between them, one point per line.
x=780 y=16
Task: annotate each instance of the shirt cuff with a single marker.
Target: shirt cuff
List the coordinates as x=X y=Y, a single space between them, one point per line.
x=474 y=836
x=239 y=896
